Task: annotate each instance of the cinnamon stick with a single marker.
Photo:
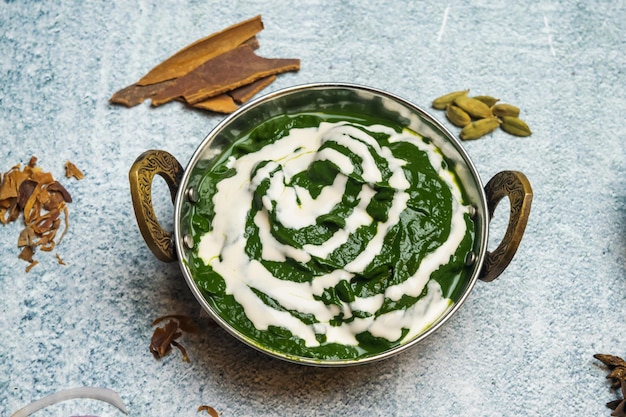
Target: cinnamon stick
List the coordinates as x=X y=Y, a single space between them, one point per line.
x=232 y=69
x=223 y=103
x=245 y=93
x=202 y=50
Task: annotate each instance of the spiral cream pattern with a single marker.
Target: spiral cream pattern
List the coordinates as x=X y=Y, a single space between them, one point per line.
x=297 y=223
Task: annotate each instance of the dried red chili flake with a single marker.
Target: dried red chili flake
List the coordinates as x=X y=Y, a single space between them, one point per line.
x=41 y=200
x=165 y=337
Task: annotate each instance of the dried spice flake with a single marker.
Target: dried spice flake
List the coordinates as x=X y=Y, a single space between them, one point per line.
x=219 y=104
x=41 y=200
x=72 y=170
x=617 y=375
x=210 y=410
x=165 y=337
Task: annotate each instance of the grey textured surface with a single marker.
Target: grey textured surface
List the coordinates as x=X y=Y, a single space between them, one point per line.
x=521 y=345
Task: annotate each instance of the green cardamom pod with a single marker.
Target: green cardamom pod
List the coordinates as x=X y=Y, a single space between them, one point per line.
x=457 y=116
x=473 y=107
x=504 y=109
x=479 y=128
x=488 y=100
x=515 y=126
x=442 y=102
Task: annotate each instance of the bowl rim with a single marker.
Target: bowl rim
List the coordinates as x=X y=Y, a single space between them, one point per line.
x=482 y=227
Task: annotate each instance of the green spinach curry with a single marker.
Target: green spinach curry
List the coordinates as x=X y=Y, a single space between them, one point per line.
x=330 y=237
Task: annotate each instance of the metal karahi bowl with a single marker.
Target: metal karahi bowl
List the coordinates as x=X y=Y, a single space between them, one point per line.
x=325 y=98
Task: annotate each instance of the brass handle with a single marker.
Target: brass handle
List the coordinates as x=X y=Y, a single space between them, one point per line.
x=516 y=186
x=141 y=175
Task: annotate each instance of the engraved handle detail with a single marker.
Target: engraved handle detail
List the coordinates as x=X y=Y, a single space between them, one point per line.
x=141 y=176
x=516 y=187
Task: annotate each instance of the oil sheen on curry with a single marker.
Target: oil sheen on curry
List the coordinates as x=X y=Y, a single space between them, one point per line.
x=331 y=237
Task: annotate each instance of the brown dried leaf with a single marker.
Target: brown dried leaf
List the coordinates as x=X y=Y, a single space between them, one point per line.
x=61 y=262
x=195 y=54
x=228 y=71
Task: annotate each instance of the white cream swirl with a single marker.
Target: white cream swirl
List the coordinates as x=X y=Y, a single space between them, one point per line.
x=224 y=247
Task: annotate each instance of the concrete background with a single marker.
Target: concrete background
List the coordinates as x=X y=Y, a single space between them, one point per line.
x=521 y=345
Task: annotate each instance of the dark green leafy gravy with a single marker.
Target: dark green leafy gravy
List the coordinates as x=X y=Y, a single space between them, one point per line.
x=330 y=237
